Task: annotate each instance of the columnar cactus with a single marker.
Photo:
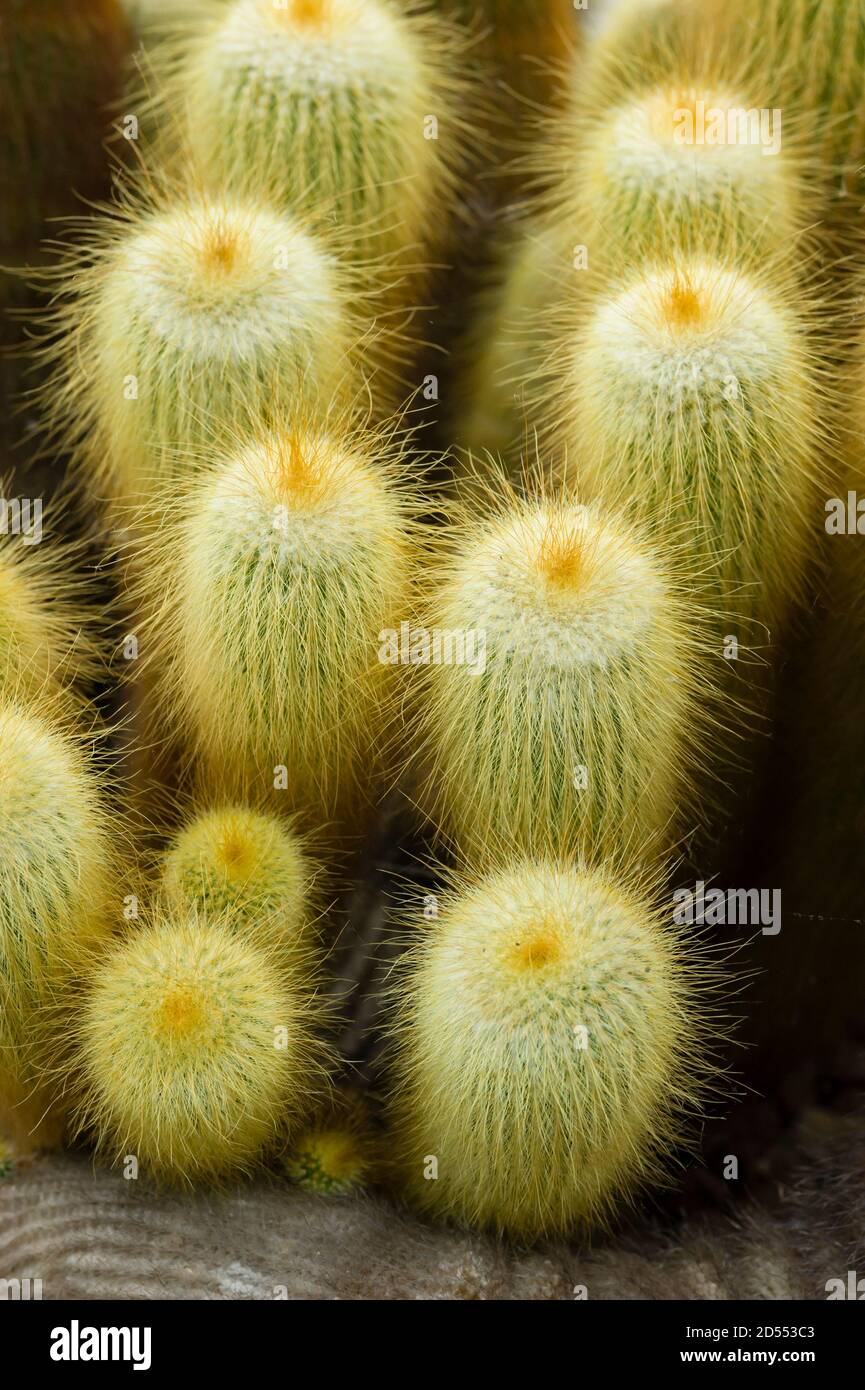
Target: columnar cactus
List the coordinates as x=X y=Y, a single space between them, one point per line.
x=550 y=1034
x=192 y=322
x=685 y=169
x=61 y=67
x=247 y=867
x=693 y=390
x=55 y=889
x=570 y=675
x=288 y=559
x=512 y=324
x=194 y=1051
x=814 y=54
x=330 y=104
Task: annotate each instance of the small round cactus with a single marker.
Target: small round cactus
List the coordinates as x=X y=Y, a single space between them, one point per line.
x=693 y=391
x=193 y=1051
x=193 y=322
x=574 y=687
x=61 y=67
x=336 y=1155
x=330 y=104
x=286 y=562
x=54 y=900
x=247 y=867
x=551 y=1032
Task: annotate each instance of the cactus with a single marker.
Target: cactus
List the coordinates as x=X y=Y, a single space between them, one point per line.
x=511 y=320
x=551 y=1032
x=814 y=51
x=569 y=720
x=54 y=904
x=193 y=1051
x=336 y=1155
x=687 y=169
x=43 y=638
x=695 y=391
x=330 y=104
x=246 y=867
x=285 y=562
x=194 y=320
x=61 y=67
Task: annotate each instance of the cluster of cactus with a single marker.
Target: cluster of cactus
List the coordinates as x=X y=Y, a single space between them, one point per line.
x=535 y=655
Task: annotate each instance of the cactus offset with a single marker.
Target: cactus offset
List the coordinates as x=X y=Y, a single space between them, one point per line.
x=285 y=561
x=194 y=1051
x=247 y=867
x=551 y=1032
x=336 y=1155
x=572 y=725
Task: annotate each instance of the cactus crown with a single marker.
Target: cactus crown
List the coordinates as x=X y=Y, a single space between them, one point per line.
x=553 y=583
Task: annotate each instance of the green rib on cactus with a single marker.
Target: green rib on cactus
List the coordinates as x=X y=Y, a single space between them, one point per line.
x=570 y=720
x=550 y=1035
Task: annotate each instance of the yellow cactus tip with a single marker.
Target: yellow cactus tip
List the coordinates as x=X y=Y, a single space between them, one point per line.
x=181 y=1012
x=561 y=556
x=299 y=475
x=683 y=305
x=306 y=12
